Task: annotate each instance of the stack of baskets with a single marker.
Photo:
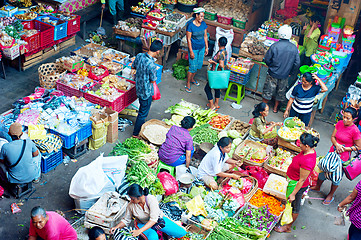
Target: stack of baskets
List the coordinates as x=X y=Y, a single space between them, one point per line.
x=49 y=73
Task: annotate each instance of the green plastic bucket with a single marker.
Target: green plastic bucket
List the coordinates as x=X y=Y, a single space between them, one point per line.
x=304 y=69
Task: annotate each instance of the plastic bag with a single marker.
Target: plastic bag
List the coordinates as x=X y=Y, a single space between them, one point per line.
x=287 y=215
x=102 y=175
x=156 y=95
x=169 y=183
x=313 y=178
x=99 y=129
x=196 y=206
x=197 y=191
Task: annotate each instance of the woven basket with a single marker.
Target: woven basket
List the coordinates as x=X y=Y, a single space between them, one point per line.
x=248 y=195
x=237 y=156
x=49 y=73
x=152 y=122
x=277 y=171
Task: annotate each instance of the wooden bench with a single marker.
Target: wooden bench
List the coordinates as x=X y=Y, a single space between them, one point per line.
x=89 y=13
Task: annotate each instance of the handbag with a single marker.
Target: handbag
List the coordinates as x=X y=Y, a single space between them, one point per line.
x=156 y=95
x=352 y=167
x=331 y=165
x=218 y=79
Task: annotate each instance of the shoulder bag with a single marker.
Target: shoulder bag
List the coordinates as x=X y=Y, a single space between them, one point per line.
x=331 y=165
x=352 y=167
x=8 y=167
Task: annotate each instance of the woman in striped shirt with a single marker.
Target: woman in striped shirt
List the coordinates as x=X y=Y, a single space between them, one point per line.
x=303 y=96
x=354 y=232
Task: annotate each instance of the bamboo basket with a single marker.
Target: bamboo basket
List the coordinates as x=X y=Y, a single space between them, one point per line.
x=49 y=74
x=152 y=122
x=237 y=156
x=274 y=170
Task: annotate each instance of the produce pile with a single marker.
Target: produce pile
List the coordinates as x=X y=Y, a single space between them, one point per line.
x=174 y=17
x=253 y=152
x=261 y=199
x=239 y=227
x=226 y=8
x=257 y=218
x=180 y=69
x=290 y=134
x=240 y=127
x=203 y=134
x=282 y=159
x=220 y=121
x=130 y=25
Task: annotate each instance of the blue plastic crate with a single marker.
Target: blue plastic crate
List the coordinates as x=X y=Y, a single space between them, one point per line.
x=60 y=30
x=70 y=141
x=51 y=161
x=159 y=73
x=240 y=78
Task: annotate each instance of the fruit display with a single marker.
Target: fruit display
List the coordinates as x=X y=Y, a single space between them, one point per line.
x=226 y=8
x=106 y=92
x=240 y=127
x=188 y=2
x=26 y=16
x=282 y=159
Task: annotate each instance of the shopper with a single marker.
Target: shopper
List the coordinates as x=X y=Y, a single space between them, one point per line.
x=97 y=233
x=217 y=164
x=49 y=226
x=297 y=174
x=197 y=41
x=283 y=60
x=260 y=127
x=345 y=138
x=21 y=159
x=310 y=42
x=145 y=76
x=178 y=146
x=219 y=58
x=144 y=208
x=354 y=232
x=303 y=96
x=115 y=7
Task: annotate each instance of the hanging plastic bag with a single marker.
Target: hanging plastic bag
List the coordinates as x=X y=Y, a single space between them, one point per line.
x=169 y=183
x=287 y=215
x=156 y=95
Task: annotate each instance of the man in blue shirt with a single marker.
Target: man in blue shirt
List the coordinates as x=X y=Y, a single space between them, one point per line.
x=146 y=74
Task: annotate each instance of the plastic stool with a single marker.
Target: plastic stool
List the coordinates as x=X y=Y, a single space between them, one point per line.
x=170 y=169
x=240 y=92
x=19 y=190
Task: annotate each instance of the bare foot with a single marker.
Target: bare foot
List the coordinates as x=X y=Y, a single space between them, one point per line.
x=315 y=189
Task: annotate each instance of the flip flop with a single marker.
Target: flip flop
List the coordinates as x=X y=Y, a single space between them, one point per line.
x=326 y=202
x=188 y=89
x=195 y=83
x=279 y=230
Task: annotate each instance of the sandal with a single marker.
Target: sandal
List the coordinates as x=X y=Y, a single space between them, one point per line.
x=195 y=82
x=282 y=229
x=188 y=89
x=328 y=202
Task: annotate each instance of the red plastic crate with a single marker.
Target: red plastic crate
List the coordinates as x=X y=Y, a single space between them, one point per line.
x=224 y=20
x=28 y=24
x=46 y=33
x=74 y=26
x=130 y=95
x=117 y=105
x=34 y=42
x=68 y=91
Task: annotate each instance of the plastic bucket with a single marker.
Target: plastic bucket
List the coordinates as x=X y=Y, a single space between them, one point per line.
x=312 y=69
x=322 y=73
x=304 y=69
x=342 y=56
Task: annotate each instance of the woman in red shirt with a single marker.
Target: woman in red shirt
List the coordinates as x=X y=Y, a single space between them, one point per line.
x=346 y=137
x=297 y=175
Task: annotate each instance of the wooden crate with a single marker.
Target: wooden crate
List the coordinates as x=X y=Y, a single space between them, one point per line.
x=67 y=43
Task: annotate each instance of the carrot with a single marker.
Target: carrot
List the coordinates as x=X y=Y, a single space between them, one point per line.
x=261 y=199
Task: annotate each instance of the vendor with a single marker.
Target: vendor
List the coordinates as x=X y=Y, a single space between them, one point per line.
x=197 y=41
x=21 y=159
x=303 y=96
x=260 y=127
x=297 y=174
x=144 y=208
x=217 y=164
x=49 y=226
x=178 y=146
x=113 y=6
x=219 y=58
x=310 y=42
x=97 y=233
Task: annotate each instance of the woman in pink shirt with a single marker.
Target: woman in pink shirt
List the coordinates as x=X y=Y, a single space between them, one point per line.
x=354 y=232
x=297 y=175
x=346 y=137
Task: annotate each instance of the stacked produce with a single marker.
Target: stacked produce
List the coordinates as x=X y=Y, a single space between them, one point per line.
x=220 y=121
x=282 y=159
x=203 y=134
x=226 y=8
x=240 y=127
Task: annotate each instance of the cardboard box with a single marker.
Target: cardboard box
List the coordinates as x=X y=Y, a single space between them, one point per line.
x=112 y=134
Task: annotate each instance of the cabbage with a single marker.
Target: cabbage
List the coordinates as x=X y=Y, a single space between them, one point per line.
x=233 y=134
x=222 y=134
x=177 y=119
x=237 y=141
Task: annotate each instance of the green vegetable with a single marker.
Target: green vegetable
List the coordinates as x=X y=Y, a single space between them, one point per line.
x=133 y=147
x=233 y=134
x=180 y=69
x=222 y=134
x=180 y=197
x=203 y=134
x=236 y=226
x=139 y=172
x=203 y=116
x=219 y=233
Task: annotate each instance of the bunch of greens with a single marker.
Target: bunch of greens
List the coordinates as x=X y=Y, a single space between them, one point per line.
x=180 y=197
x=219 y=233
x=182 y=108
x=260 y=218
x=203 y=134
x=203 y=116
x=180 y=69
x=133 y=147
x=236 y=226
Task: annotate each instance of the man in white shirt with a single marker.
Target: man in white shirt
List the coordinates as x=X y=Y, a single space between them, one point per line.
x=217 y=163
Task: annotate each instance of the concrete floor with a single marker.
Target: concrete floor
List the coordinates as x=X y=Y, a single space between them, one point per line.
x=317 y=219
